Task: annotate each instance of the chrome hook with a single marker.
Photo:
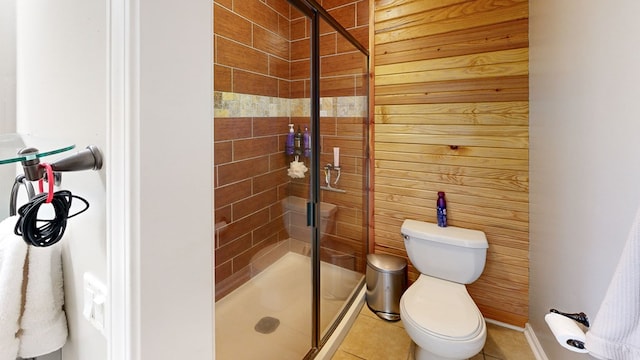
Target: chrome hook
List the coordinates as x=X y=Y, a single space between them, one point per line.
x=327 y=174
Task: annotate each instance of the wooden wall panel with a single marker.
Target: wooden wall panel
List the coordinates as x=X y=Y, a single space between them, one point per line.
x=451 y=114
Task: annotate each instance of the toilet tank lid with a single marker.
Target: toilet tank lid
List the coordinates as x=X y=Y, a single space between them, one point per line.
x=449 y=235
x=298 y=204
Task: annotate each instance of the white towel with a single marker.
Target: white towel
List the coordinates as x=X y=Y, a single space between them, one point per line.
x=615 y=333
x=13 y=251
x=43 y=325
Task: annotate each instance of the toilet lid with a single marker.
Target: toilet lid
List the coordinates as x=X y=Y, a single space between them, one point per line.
x=442 y=308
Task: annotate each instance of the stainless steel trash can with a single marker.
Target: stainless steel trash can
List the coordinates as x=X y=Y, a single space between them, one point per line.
x=386 y=282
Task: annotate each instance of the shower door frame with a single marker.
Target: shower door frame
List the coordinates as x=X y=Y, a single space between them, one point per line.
x=315 y=12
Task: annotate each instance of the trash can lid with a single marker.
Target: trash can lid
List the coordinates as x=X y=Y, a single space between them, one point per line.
x=386 y=263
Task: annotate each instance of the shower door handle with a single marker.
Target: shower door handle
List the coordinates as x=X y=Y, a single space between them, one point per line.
x=310 y=214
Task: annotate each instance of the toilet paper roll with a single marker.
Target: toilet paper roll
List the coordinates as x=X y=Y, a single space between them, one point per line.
x=565 y=329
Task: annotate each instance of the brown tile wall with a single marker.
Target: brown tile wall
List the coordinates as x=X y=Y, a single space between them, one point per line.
x=252 y=46
x=261 y=47
x=250 y=179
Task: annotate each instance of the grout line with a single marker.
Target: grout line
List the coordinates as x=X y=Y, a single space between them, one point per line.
x=354 y=355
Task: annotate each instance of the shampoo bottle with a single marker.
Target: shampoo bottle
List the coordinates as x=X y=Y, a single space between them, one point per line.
x=306 y=142
x=441 y=205
x=297 y=142
x=288 y=146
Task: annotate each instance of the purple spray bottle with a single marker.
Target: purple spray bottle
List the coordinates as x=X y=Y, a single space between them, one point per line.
x=441 y=205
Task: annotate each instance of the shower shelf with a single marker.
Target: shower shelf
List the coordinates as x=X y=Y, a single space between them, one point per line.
x=11 y=144
x=328 y=188
x=28 y=150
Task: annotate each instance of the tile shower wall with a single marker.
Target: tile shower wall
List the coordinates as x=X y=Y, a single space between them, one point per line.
x=261 y=65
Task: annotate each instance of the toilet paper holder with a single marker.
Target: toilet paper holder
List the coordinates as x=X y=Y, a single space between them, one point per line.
x=578 y=317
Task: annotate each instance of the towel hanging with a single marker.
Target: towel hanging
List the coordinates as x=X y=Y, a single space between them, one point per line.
x=43 y=325
x=615 y=332
x=13 y=252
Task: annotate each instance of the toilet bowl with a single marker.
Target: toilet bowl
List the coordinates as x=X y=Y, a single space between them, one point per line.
x=442 y=319
x=436 y=310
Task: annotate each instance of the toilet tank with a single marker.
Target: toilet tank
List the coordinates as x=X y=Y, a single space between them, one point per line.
x=450 y=253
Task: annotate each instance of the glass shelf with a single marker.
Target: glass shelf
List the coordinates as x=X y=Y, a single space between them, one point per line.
x=10 y=144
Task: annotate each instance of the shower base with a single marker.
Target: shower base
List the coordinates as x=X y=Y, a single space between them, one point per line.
x=281 y=292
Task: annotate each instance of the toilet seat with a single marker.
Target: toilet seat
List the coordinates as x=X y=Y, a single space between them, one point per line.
x=441 y=309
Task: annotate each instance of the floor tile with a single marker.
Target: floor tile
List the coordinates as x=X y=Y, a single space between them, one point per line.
x=372 y=338
x=506 y=344
x=343 y=355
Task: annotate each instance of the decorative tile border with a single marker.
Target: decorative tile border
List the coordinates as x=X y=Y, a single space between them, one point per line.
x=228 y=104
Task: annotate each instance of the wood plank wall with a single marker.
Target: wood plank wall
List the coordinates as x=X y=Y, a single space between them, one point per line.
x=451 y=114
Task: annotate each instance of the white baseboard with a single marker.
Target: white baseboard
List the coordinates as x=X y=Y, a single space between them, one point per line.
x=535 y=345
x=504 y=325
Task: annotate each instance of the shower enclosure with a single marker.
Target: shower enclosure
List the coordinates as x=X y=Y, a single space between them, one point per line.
x=291 y=223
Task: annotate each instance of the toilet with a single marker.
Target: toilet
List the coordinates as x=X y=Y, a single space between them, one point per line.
x=436 y=310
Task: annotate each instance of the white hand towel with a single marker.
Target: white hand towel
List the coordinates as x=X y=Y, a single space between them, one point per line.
x=13 y=251
x=615 y=333
x=43 y=325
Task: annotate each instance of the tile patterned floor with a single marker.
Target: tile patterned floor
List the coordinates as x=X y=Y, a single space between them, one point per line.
x=372 y=338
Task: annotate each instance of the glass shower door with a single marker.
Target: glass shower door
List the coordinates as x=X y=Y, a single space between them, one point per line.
x=335 y=84
x=290 y=224
x=262 y=247
x=343 y=120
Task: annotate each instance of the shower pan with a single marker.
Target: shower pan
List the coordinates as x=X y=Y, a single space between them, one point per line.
x=291 y=209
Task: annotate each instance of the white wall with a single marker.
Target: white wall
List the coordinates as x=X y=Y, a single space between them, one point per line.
x=174 y=144
x=7 y=92
x=584 y=153
x=61 y=82
x=7 y=65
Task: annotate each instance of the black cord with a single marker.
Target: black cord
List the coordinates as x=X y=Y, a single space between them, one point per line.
x=52 y=230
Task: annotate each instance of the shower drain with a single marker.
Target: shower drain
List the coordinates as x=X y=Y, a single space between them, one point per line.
x=267 y=325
